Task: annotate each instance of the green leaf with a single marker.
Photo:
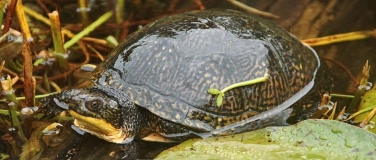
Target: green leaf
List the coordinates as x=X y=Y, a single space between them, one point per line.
x=219 y=99
x=214 y=91
x=310 y=139
x=368 y=102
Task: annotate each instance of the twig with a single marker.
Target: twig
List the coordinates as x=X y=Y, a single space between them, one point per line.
x=125 y=32
x=85 y=52
x=43 y=6
x=355 y=81
x=199 y=4
x=96 y=52
x=95 y=40
x=8 y=19
x=252 y=10
x=172 y=5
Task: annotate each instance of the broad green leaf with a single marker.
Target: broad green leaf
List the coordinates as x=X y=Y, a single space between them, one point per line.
x=368 y=102
x=4 y=155
x=214 y=91
x=310 y=139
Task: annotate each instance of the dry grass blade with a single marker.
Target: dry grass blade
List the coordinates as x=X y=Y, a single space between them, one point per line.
x=252 y=10
x=352 y=36
x=323 y=107
x=341 y=114
x=368 y=118
x=331 y=117
x=23 y=22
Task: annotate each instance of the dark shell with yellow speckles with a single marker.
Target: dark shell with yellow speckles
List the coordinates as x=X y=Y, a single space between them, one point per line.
x=168 y=66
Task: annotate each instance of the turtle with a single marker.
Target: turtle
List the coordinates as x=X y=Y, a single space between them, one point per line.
x=154 y=85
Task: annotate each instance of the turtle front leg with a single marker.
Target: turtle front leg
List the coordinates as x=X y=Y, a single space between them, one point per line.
x=161 y=130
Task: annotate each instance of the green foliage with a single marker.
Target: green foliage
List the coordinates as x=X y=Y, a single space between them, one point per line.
x=367 y=104
x=219 y=94
x=310 y=139
x=214 y=91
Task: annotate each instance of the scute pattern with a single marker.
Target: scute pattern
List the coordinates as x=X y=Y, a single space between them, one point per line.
x=168 y=66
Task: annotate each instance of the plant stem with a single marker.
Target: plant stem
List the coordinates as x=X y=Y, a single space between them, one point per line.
x=2 y=7
x=9 y=16
x=37 y=96
x=245 y=83
x=88 y=29
x=84 y=17
x=13 y=106
x=37 y=116
x=57 y=37
x=29 y=88
x=46 y=21
x=351 y=36
x=342 y=95
x=23 y=22
x=119 y=15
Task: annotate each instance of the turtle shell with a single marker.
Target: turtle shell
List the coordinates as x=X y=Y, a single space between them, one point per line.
x=168 y=66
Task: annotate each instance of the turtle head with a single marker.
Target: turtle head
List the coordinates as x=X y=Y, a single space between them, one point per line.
x=102 y=111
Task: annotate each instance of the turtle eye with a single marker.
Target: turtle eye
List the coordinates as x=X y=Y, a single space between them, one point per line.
x=93 y=105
